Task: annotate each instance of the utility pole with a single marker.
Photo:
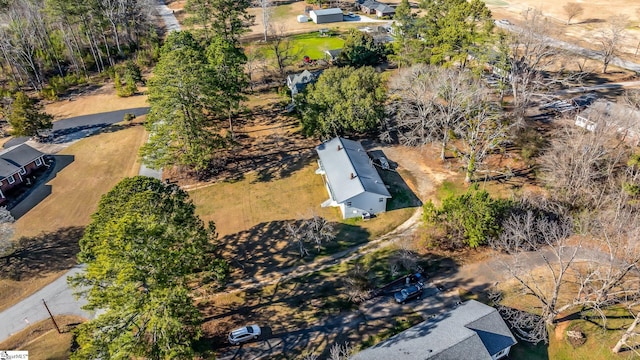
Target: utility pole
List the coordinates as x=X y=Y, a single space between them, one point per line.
x=51 y=315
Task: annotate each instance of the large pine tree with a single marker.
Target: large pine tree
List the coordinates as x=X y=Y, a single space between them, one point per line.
x=142 y=246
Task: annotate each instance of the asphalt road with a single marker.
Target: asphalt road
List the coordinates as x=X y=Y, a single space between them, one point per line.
x=59 y=298
x=102 y=119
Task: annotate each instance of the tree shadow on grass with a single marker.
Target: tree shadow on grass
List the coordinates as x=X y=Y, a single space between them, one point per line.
x=42 y=254
x=268 y=247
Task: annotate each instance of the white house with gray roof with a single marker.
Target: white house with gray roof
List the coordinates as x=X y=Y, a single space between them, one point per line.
x=472 y=331
x=352 y=181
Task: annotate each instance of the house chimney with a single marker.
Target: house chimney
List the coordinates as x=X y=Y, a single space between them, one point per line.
x=339 y=147
x=353 y=176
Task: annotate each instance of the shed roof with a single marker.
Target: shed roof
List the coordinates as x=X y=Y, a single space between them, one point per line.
x=332 y=11
x=15 y=157
x=472 y=331
x=342 y=158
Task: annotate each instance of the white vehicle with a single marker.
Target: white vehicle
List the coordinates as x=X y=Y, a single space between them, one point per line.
x=351 y=15
x=244 y=334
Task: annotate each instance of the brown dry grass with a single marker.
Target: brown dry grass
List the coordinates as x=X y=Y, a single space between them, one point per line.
x=12 y=291
x=99 y=162
x=43 y=341
x=101 y=100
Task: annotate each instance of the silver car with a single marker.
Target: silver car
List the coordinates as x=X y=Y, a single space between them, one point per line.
x=244 y=334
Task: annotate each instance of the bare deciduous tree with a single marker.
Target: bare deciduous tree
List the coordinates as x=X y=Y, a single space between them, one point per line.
x=531 y=56
x=483 y=133
x=283 y=49
x=431 y=103
x=572 y=9
x=6 y=231
x=341 y=351
x=610 y=38
x=267 y=11
x=630 y=333
x=357 y=285
x=319 y=231
x=579 y=165
x=316 y=230
x=555 y=254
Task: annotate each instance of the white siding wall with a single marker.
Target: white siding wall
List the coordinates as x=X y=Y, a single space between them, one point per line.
x=365 y=202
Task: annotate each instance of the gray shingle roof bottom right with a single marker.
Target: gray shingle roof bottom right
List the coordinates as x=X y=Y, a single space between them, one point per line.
x=472 y=331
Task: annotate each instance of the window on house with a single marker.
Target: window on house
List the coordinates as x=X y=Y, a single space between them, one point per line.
x=381 y=200
x=23 y=171
x=38 y=162
x=11 y=180
x=348 y=203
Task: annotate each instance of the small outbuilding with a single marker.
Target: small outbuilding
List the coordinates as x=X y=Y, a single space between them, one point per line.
x=324 y=16
x=302 y=18
x=352 y=181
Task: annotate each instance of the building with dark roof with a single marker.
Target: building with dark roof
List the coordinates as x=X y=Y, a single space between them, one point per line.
x=471 y=331
x=352 y=181
x=378 y=8
x=16 y=163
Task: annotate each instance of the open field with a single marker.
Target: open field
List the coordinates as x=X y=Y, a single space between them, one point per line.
x=584 y=29
x=97 y=101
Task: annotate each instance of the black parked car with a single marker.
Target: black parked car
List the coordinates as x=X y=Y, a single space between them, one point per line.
x=413 y=291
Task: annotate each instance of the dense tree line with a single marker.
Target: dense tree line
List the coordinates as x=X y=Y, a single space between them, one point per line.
x=47 y=44
x=198 y=85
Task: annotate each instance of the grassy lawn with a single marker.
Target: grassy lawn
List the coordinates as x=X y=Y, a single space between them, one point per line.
x=314 y=45
x=241 y=205
x=599 y=341
x=309 y=44
x=76 y=190
x=43 y=341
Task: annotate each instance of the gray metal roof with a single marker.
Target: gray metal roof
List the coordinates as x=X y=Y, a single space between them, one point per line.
x=15 y=157
x=349 y=170
x=472 y=331
x=331 y=11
